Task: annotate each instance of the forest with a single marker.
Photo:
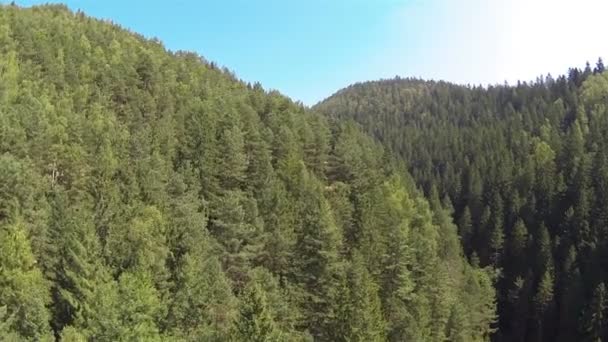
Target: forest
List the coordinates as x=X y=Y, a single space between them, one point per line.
x=525 y=170
x=150 y=195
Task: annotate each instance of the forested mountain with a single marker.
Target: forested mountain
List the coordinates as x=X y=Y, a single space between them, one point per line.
x=147 y=195
x=526 y=169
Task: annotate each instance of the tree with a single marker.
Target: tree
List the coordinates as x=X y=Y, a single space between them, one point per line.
x=359 y=310
x=599 y=66
x=497 y=239
x=497 y=236
x=70 y=334
x=544 y=257
x=255 y=321
x=465 y=229
x=24 y=292
x=234 y=223
x=141 y=307
x=457 y=327
x=543 y=302
x=141 y=245
x=315 y=261
x=203 y=306
x=594 y=320
x=481 y=297
x=279 y=212
x=518 y=243
x=536 y=147
x=77 y=270
x=151 y=195
x=571 y=298
x=233 y=160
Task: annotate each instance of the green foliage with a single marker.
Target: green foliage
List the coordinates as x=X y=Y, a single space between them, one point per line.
x=203 y=305
x=359 y=310
x=524 y=169
x=255 y=321
x=24 y=292
x=149 y=195
x=594 y=320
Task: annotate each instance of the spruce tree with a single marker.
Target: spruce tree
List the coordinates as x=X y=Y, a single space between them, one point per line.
x=594 y=319
x=24 y=293
x=255 y=321
x=359 y=314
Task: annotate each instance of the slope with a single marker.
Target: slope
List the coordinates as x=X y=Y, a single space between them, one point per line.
x=525 y=168
x=150 y=195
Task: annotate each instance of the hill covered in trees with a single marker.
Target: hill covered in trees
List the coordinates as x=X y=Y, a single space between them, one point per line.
x=525 y=168
x=149 y=195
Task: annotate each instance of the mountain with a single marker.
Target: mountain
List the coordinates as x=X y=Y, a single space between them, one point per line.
x=149 y=195
x=525 y=168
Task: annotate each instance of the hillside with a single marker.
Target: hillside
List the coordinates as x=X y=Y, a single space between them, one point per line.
x=525 y=168
x=148 y=195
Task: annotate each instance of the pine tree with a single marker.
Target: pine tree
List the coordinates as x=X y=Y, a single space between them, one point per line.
x=518 y=242
x=497 y=240
x=164 y=199
x=599 y=67
x=544 y=258
x=203 y=306
x=232 y=158
x=78 y=269
x=571 y=297
x=259 y=171
x=543 y=301
x=141 y=245
x=24 y=293
x=481 y=297
x=70 y=334
x=457 y=329
x=594 y=320
x=234 y=223
x=359 y=311
x=255 y=321
x=278 y=238
x=465 y=229
x=315 y=257
x=140 y=307
x=497 y=236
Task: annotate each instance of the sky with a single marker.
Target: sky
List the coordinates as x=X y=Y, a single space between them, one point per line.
x=309 y=49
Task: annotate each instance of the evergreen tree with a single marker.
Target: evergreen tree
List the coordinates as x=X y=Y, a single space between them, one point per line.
x=599 y=67
x=465 y=229
x=24 y=293
x=151 y=195
x=594 y=320
x=522 y=166
x=255 y=322
x=359 y=311
x=203 y=306
x=315 y=257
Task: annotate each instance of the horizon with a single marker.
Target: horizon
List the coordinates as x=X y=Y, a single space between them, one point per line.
x=322 y=47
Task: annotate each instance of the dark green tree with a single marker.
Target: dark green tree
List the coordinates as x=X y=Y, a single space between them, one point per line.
x=255 y=321
x=594 y=322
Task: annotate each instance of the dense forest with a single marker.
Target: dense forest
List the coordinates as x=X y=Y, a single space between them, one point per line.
x=149 y=195
x=525 y=168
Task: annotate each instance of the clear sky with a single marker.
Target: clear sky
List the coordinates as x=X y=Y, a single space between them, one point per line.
x=308 y=49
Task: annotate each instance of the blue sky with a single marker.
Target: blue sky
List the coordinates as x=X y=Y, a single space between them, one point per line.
x=310 y=49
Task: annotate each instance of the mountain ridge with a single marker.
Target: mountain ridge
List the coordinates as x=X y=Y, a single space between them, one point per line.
x=149 y=195
x=524 y=167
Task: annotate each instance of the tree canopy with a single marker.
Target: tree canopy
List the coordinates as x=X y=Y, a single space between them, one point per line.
x=523 y=168
x=147 y=194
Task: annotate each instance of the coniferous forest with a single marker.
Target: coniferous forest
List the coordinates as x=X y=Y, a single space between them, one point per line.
x=525 y=169
x=151 y=195
x=147 y=195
